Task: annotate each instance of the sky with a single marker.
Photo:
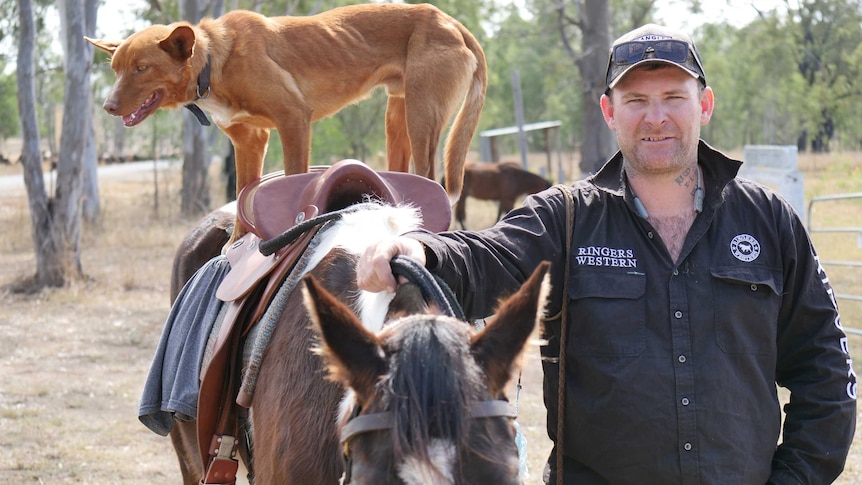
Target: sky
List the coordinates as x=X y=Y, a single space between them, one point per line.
x=675 y=14
x=115 y=17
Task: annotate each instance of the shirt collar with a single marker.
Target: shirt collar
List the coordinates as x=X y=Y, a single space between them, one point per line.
x=718 y=171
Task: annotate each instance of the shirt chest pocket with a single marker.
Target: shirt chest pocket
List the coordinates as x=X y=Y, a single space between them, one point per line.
x=607 y=313
x=747 y=302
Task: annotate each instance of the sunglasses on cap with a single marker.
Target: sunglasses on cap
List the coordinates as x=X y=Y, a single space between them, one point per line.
x=627 y=54
x=667 y=50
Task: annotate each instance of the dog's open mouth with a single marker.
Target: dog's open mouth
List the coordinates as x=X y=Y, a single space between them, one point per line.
x=144 y=110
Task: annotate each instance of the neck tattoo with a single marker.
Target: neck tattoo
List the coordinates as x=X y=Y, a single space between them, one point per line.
x=698 y=198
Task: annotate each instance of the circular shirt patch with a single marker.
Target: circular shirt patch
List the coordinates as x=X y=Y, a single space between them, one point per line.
x=745 y=248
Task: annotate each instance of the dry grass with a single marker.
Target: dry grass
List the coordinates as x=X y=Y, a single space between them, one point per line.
x=73 y=360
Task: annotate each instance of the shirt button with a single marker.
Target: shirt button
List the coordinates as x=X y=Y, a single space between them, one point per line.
x=753 y=287
x=649 y=234
x=687 y=446
x=678 y=314
x=681 y=359
x=685 y=401
x=675 y=272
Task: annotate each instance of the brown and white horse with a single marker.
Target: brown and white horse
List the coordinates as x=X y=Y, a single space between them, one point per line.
x=438 y=431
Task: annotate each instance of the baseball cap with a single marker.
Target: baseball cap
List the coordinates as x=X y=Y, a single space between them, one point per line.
x=652 y=43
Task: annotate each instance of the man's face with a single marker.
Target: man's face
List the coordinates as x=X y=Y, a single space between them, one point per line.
x=657 y=111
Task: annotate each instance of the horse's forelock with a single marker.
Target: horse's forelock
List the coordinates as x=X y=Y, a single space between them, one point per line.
x=432 y=382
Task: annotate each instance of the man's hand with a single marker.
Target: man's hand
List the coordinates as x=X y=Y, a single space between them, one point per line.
x=373 y=272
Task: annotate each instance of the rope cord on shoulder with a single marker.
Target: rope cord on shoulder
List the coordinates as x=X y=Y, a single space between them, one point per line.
x=561 y=381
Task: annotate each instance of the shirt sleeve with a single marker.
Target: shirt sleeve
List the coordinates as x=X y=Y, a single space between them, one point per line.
x=814 y=364
x=483 y=266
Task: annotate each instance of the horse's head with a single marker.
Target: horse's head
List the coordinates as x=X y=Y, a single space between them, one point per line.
x=429 y=389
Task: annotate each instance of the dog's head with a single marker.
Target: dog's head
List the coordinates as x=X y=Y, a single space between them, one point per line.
x=154 y=69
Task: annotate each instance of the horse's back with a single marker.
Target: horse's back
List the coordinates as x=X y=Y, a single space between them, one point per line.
x=202 y=243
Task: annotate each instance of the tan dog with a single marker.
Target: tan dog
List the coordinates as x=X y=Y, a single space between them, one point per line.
x=254 y=73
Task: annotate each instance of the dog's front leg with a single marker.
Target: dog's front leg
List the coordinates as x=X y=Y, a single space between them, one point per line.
x=250 y=144
x=295 y=133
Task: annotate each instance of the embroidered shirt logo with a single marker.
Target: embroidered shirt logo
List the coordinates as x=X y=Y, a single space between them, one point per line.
x=745 y=248
x=604 y=256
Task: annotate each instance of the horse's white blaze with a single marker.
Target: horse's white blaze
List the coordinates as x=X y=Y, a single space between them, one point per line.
x=354 y=232
x=438 y=472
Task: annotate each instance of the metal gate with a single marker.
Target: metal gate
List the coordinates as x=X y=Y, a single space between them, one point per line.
x=851 y=266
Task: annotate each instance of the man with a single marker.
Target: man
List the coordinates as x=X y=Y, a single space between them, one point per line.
x=692 y=293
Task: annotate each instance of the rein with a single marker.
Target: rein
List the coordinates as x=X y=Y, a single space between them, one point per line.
x=432 y=287
x=270 y=246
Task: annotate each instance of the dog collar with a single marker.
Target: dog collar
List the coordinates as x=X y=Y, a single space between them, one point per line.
x=203 y=92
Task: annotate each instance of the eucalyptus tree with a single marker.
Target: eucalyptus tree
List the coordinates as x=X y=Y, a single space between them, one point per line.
x=827 y=35
x=56 y=219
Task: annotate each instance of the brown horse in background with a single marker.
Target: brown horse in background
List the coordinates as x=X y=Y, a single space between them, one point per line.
x=504 y=182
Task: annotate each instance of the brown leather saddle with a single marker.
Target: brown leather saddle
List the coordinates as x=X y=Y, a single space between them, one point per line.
x=268 y=207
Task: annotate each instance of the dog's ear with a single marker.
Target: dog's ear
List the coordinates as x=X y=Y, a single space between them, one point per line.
x=180 y=44
x=108 y=46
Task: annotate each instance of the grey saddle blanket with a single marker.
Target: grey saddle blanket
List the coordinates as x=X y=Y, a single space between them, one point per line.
x=172 y=385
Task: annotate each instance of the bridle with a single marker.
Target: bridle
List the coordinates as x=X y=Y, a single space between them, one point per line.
x=433 y=289
x=385 y=420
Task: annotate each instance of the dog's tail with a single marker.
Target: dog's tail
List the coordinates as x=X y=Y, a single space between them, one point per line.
x=464 y=127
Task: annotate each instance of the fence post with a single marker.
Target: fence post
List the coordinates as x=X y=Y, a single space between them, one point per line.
x=777 y=167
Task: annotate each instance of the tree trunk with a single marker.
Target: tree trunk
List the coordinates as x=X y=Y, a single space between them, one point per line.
x=196 y=152
x=92 y=205
x=599 y=141
x=593 y=21
x=31 y=156
x=196 y=162
x=68 y=198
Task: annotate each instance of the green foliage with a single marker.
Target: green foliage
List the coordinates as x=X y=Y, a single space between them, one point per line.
x=9 y=125
x=787 y=78
x=549 y=83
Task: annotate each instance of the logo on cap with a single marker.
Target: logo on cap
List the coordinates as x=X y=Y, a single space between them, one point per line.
x=652 y=37
x=745 y=247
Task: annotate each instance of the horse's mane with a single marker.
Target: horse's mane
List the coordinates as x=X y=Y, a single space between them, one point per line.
x=431 y=384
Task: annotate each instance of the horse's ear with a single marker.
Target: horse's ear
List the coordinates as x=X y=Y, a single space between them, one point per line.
x=498 y=347
x=352 y=353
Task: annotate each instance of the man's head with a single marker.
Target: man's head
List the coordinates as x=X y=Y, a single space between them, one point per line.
x=652 y=44
x=657 y=100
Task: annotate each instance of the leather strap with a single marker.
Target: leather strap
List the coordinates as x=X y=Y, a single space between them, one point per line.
x=561 y=376
x=203 y=92
x=222 y=465
x=223 y=468
x=384 y=420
